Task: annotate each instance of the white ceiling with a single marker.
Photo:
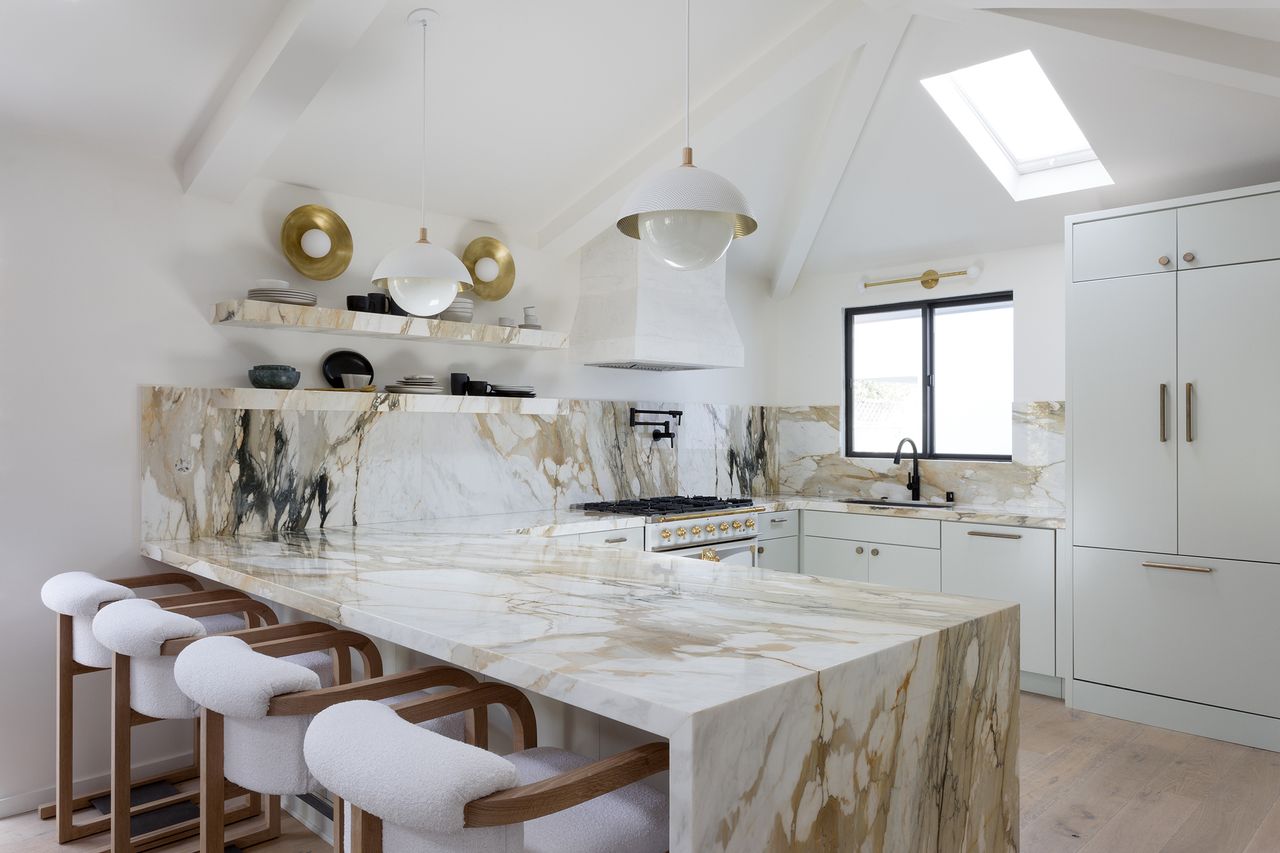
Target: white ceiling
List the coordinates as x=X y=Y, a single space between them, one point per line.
x=536 y=106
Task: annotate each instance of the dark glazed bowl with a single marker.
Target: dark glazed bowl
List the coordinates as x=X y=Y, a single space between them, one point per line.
x=280 y=376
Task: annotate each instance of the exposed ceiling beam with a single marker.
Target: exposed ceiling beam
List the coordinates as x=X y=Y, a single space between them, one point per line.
x=1139 y=38
x=825 y=40
x=811 y=198
x=300 y=51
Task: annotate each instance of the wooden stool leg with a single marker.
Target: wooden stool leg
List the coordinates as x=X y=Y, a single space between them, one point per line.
x=366 y=832
x=121 y=756
x=63 y=765
x=212 y=785
x=339 y=824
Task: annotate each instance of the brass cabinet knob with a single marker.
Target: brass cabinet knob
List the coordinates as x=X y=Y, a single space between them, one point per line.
x=680 y=531
x=711 y=528
x=737 y=525
x=1164 y=261
x=665 y=534
x=724 y=525
x=750 y=522
x=858 y=550
x=875 y=552
x=759 y=549
x=1189 y=257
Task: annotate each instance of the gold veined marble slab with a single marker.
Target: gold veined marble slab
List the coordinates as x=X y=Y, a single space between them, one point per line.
x=803 y=713
x=273 y=315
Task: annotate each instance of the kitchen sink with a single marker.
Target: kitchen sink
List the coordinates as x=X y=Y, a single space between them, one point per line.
x=887 y=502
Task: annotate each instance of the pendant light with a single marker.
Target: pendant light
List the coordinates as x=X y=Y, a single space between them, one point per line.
x=686 y=216
x=422 y=278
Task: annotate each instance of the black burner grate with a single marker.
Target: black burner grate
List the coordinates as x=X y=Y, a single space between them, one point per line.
x=674 y=505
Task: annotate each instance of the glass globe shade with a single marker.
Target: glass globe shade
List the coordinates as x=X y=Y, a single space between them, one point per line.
x=687 y=239
x=486 y=269
x=316 y=243
x=422 y=297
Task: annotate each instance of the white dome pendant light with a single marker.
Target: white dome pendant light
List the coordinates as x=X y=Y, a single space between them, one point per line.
x=686 y=216
x=423 y=279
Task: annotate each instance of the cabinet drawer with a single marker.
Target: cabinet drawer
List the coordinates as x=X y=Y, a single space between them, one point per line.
x=772 y=525
x=916 y=532
x=903 y=566
x=1200 y=636
x=1235 y=231
x=834 y=558
x=1009 y=564
x=781 y=554
x=631 y=538
x=1126 y=245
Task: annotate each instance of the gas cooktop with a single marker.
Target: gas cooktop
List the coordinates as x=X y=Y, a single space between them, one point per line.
x=675 y=505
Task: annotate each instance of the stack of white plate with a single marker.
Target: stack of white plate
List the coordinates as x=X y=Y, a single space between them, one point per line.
x=460 y=310
x=420 y=384
x=286 y=295
x=513 y=390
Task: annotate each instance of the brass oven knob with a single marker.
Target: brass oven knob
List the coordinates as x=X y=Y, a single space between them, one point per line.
x=724 y=525
x=680 y=531
x=711 y=528
x=665 y=534
x=750 y=522
x=737 y=525
x=696 y=530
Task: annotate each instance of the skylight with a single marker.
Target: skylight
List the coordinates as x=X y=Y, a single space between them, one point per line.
x=1011 y=115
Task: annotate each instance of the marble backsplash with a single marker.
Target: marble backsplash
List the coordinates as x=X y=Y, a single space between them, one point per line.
x=218 y=462
x=810 y=459
x=215 y=463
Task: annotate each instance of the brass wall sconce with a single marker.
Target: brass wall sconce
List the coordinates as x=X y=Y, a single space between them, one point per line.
x=928 y=279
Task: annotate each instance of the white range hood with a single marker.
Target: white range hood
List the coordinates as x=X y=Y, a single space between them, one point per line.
x=636 y=313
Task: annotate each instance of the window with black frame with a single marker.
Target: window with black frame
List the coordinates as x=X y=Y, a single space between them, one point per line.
x=939 y=372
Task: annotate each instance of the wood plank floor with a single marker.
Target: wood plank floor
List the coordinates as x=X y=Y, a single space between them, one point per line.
x=1089 y=783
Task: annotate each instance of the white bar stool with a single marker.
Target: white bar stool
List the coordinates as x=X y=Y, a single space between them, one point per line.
x=413 y=791
x=256 y=709
x=76 y=597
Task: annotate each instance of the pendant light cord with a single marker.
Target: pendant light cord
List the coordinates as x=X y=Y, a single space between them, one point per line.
x=422 y=206
x=687 y=18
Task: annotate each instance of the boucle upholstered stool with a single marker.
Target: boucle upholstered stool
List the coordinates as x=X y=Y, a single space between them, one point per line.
x=413 y=791
x=256 y=709
x=76 y=597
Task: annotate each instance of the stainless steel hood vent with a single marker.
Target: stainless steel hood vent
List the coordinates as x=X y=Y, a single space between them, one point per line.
x=635 y=313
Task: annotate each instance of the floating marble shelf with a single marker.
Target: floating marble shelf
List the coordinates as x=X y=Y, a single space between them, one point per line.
x=273 y=315
x=303 y=400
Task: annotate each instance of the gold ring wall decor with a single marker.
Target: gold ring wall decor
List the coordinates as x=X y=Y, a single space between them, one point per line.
x=490 y=247
x=304 y=219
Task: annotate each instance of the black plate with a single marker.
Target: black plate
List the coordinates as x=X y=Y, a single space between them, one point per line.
x=345 y=361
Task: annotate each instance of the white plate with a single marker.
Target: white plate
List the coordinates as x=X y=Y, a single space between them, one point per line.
x=307 y=303
x=399 y=389
x=302 y=293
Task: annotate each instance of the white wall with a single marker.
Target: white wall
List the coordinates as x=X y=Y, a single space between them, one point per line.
x=107 y=274
x=810 y=323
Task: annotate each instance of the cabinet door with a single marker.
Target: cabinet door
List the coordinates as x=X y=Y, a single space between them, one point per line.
x=1121 y=357
x=1228 y=349
x=1202 y=636
x=1236 y=231
x=834 y=558
x=781 y=555
x=1009 y=564
x=900 y=565
x=1126 y=245
x=774 y=525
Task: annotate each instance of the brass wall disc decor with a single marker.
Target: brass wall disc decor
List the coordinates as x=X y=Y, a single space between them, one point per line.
x=315 y=216
x=490 y=247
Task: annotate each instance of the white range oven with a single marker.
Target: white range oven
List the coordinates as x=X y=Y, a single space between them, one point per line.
x=717 y=529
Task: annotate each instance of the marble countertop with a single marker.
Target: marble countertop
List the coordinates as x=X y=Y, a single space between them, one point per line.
x=646 y=639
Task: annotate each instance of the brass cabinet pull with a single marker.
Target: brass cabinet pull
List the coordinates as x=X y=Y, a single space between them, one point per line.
x=875 y=552
x=989 y=535
x=1189 y=435
x=858 y=550
x=1189 y=256
x=614 y=540
x=777 y=521
x=1203 y=570
x=1164 y=395
x=710 y=555
x=1163 y=261
x=759 y=549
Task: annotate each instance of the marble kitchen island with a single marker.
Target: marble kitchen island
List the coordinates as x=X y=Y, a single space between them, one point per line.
x=803 y=713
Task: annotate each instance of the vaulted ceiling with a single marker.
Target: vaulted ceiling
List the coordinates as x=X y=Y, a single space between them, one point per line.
x=544 y=115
